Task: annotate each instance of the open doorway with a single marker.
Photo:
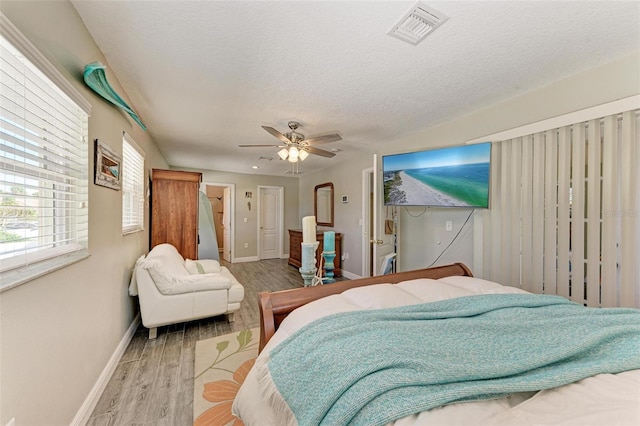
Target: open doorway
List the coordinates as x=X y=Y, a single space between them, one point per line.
x=220 y=196
x=376 y=243
x=215 y=194
x=367 y=222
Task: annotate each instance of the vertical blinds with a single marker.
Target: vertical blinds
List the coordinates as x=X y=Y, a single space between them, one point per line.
x=132 y=187
x=43 y=165
x=565 y=212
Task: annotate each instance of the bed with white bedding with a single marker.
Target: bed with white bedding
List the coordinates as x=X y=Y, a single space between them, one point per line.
x=574 y=375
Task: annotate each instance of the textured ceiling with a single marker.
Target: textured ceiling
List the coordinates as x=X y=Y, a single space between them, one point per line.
x=205 y=75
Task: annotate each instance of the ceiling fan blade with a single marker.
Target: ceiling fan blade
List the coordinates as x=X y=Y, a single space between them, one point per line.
x=277 y=134
x=323 y=139
x=253 y=146
x=318 y=151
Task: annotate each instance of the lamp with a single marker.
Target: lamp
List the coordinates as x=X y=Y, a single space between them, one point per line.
x=293 y=154
x=283 y=153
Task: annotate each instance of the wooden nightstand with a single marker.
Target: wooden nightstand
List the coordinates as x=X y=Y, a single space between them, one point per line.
x=295 y=255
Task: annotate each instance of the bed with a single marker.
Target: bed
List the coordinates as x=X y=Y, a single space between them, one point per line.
x=349 y=353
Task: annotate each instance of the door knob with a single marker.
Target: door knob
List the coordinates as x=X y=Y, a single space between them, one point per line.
x=378 y=242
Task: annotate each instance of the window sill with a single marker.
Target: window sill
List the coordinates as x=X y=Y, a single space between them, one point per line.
x=19 y=276
x=132 y=231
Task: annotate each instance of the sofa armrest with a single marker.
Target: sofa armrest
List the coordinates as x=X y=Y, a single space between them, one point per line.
x=196 y=283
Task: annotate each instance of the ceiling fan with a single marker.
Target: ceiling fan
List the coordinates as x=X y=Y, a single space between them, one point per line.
x=296 y=147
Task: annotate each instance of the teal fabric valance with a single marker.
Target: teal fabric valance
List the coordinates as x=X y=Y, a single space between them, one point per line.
x=96 y=79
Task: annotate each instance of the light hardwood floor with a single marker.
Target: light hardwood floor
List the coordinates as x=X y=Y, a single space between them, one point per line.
x=153 y=382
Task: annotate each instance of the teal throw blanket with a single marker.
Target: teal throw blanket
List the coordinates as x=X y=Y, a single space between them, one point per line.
x=376 y=366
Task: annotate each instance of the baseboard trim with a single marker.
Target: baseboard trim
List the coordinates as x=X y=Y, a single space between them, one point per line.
x=350 y=275
x=246 y=259
x=83 y=415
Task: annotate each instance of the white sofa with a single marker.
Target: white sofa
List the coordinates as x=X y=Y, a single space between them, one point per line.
x=169 y=293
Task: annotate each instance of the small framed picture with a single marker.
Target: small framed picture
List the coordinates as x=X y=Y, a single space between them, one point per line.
x=108 y=166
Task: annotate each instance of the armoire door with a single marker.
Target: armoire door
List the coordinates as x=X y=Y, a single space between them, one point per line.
x=174 y=210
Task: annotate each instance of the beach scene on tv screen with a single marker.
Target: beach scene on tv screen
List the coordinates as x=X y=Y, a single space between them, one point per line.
x=447 y=177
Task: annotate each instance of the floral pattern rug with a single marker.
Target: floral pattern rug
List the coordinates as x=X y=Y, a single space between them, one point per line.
x=221 y=365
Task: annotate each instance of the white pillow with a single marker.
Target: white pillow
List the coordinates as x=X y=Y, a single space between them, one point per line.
x=480 y=286
x=202 y=266
x=380 y=296
x=163 y=272
x=177 y=281
x=430 y=290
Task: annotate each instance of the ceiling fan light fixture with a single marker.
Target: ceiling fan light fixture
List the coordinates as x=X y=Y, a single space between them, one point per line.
x=293 y=145
x=293 y=154
x=283 y=153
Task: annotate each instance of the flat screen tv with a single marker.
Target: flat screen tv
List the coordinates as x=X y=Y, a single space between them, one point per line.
x=457 y=176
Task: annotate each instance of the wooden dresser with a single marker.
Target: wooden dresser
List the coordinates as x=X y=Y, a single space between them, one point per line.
x=295 y=255
x=174 y=210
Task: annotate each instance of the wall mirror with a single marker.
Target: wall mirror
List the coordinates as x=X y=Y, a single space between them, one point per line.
x=323 y=204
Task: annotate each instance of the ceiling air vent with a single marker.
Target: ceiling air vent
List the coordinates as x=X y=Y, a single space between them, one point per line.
x=417 y=23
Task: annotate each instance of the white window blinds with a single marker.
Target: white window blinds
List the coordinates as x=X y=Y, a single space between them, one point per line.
x=43 y=165
x=132 y=186
x=564 y=215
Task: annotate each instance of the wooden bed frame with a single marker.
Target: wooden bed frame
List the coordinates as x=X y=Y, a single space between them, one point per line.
x=274 y=307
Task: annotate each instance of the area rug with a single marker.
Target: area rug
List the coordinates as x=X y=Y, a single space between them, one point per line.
x=221 y=365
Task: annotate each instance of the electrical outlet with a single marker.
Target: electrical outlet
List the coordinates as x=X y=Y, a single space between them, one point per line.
x=449 y=225
x=246 y=245
x=346 y=256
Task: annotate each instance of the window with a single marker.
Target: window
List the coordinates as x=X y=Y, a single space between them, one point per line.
x=43 y=164
x=564 y=217
x=132 y=187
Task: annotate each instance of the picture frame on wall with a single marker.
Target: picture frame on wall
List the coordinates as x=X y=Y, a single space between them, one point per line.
x=108 y=166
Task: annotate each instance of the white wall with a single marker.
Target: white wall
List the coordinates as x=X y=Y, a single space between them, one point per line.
x=59 y=331
x=247 y=232
x=422 y=235
x=346 y=177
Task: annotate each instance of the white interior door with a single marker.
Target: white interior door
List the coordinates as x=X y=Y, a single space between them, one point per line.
x=270 y=227
x=382 y=243
x=226 y=225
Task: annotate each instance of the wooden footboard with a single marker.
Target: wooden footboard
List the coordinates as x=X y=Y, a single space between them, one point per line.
x=274 y=307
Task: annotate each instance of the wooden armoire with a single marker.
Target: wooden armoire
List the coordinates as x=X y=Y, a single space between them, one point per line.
x=174 y=210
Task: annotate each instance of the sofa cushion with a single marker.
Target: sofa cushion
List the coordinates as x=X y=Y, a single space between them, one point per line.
x=202 y=266
x=170 y=279
x=167 y=269
x=201 y=282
